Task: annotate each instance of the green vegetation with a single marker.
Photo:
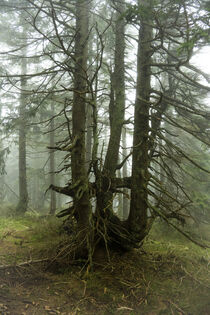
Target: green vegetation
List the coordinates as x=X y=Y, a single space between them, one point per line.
x=168 y=276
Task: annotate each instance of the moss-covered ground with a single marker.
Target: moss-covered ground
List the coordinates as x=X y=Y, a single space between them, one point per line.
x=168 y=275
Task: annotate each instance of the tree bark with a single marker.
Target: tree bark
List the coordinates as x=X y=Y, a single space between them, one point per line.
x=2 y=167
x=52 y=163
x=116 y=115
x=23 y=192
x=117 y=107
x=138 y=207
x=125 y=174
x=78 y=161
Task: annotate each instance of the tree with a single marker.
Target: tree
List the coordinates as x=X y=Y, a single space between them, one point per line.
x=140 y=176
x=23 y=193
x=52 y=163
x=79 y=174
x=168 y=35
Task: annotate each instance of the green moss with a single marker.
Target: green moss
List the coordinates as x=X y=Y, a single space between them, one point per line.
x=169 y=275
x=13 y=224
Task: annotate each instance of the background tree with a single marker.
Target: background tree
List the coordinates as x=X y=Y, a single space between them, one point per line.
x=23 y=193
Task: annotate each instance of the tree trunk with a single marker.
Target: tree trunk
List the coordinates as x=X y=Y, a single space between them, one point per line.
x=138 y=208
x=78 y=161
x=89 y=136
x=125 y=174
x=89 y=109
x=117 y=106
x=52 y=163
x=119 y=199
x=2 y=171
x=23 y=193
x=116 y=112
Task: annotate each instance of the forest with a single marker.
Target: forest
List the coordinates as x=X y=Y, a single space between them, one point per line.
x=104 y=157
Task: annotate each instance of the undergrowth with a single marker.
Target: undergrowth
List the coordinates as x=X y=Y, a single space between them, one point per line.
x=168 y=275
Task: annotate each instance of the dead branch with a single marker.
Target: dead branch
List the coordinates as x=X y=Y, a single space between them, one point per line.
x=164 y=217
x=119 y=166
x=69 y=211
x=24 y=264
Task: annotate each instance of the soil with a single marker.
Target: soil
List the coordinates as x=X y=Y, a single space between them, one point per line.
x=161 y=278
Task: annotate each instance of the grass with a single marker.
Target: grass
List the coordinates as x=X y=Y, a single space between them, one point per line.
x=8 y=224
x=169 y=275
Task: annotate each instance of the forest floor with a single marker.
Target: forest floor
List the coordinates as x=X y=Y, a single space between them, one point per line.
x=169 y=275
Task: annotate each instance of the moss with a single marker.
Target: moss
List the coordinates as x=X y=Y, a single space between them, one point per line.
x=168 y=275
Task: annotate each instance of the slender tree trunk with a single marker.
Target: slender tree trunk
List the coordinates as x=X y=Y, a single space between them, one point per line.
x=36 y=191
x=2 y=173
x=89 y=135
x=78 y=160
x=120 y=199
x=89 y=109
x=116 y=114
x=125 y=174
x=58 y=196
x=139 y=182
x=117 y=106
x=23 y=193
x=52 y=163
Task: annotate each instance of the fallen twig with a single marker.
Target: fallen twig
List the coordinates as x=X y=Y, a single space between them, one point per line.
x=177 y=307
x=25 y=263
x=195 y=279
